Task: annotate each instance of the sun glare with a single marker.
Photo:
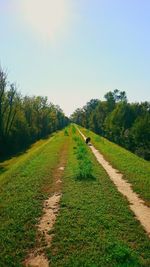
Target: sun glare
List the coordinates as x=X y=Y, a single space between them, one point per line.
x=48 y=18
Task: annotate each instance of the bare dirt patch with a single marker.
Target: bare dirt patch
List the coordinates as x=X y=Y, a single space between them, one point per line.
x=37 y=261
x=51 y=208
x=137 y=205
x=37 y=258
x=50 y=211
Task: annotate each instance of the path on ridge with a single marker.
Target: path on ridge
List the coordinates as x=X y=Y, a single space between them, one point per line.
x=137 y=205
x=37 y=257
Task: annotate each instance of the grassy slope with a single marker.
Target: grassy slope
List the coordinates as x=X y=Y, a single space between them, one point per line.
x=135 y=169
x=22 y=197
x=14 y=161
x=95 y=227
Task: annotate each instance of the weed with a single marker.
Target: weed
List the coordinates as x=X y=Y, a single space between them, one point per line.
x=66 y=132
x=85 y=169
x=123 y=255
x=73 y=129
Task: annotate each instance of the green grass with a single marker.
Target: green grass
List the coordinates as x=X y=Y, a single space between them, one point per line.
x=135 y=169
x=85 y=169
x=95 y=227
x=66 y=132
x=22 y=196
x=13 y=162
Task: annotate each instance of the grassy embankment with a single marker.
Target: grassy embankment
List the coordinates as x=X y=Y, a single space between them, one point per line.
x=135 y=169
x=95 y=227
x=22 y=185
x=13 y=162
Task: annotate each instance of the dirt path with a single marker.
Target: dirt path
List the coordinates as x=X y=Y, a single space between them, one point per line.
x=37 y=258
x=137 y=205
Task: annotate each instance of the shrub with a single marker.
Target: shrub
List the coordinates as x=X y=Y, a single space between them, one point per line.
x=66 y=133
x=73 y=129
x=85 y=168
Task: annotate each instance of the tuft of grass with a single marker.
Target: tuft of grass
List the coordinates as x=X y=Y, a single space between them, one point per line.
x=85 y=168
x=66 y=132
x=73 y=129
x=135 y=169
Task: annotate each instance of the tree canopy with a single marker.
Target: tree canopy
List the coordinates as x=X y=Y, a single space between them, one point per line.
x=23 y=120
x=127 y=124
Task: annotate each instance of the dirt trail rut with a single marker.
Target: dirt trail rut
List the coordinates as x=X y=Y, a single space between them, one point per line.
x=137 y=205
x=51 y=208
x=37 y=258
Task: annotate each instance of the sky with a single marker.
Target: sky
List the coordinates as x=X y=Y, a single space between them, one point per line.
x=76 y=50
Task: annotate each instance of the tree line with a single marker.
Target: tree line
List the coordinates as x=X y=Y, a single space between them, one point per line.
x=25 y=119
x=127 y=124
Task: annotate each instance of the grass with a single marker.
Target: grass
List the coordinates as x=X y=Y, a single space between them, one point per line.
x=135 y=169
x=95 y=227
x=13 y=162
x=22 y=196
x=84 y=169
x=66 y=132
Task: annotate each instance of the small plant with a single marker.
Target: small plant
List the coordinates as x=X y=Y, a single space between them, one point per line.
x=66 y=133
x=123 y=255
x=85 y=168
x=81 y=152
x=75 y=138
x=73 y=129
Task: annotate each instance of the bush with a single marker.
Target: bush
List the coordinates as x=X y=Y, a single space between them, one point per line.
x=73 y=129
x=66 y=133
x=85 y=168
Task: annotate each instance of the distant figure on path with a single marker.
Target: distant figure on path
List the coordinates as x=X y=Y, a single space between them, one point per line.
x=88 y=139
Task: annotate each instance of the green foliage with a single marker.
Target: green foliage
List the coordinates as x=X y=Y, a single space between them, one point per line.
x=73 y=129
x=85 y=169
x=123 y=255
x=126 y=124
x=118 y=121
x=141 y=134
x=113 y=97
x=23 y=120
x=66 y=132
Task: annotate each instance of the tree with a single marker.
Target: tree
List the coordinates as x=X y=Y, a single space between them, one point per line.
x=113 y=97
x=3 y=83
x=119 y=121
x=10 y=109
x=141 y=136
x=24 y=120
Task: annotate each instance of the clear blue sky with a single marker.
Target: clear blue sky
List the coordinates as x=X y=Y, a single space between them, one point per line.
x=75 y=50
